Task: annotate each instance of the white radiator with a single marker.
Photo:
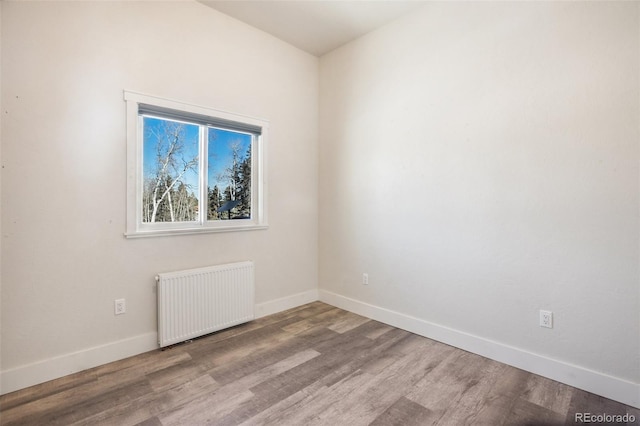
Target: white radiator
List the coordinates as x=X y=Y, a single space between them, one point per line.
x=200 y=301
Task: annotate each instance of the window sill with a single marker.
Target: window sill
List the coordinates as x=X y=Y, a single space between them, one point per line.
x=192 y=231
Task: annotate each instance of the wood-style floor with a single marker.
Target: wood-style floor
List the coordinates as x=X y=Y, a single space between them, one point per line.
x=313 y=365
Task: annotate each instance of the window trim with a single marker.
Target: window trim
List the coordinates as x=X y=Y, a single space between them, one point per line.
x=135 y=228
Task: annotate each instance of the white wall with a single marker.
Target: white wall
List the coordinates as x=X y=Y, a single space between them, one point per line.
x=480 y=162
x=64 y=256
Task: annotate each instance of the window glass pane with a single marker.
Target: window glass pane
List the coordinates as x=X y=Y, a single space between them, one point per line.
x=170 y=171
x=229 y=175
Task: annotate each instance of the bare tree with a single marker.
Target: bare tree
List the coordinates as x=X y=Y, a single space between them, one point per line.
x=231 y=173
x=172 y=163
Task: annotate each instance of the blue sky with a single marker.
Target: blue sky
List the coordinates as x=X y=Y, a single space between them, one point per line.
x=220 y=154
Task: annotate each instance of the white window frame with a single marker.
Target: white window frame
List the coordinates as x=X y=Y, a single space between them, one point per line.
x=136 y=227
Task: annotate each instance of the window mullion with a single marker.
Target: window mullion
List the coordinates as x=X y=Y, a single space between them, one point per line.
x=203 y=207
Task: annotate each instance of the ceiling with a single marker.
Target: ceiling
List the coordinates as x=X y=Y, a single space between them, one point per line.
x=315 y=26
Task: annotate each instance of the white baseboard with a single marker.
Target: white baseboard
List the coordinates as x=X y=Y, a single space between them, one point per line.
x=53 y=368
x=284 y=303
x=582 y=378
x=63 y=365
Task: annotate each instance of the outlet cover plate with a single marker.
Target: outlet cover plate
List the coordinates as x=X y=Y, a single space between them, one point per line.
x=546 y=319
x=120 y=306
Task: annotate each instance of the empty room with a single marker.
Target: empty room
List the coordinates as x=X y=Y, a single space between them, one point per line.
x=319 y=212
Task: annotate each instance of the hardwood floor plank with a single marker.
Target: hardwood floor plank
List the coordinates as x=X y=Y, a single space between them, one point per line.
x=142 y=364
x=313 y=309
x=302 y=311
x=208 y=409
x=69 y=407
x=222 y=344
x=238 y=390
x=404 y=412
x=258 y=359
x=336 y=401
x=323 y=404
x=452 y=388
x=266 y=416
x=370 y=399
x=525 y=413
x=124 y=415
x=417 y=343
x=382 y=328
x=154 y=421
x=477 y=404
x=308 y=322
x=349 y=322
x=72 y=396
x=331 y=367
x=585 y=402
x=299 y=399
x=548 y=393
x=168 y=377
x=496 y=404
x=137 y=410
x=45 y=390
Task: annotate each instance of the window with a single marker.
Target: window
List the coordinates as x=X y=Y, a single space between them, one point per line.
x=192 y=169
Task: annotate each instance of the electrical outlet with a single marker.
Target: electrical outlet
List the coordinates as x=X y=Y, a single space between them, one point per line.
x=365 y=278
x=120 y=306
x=546 y=319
